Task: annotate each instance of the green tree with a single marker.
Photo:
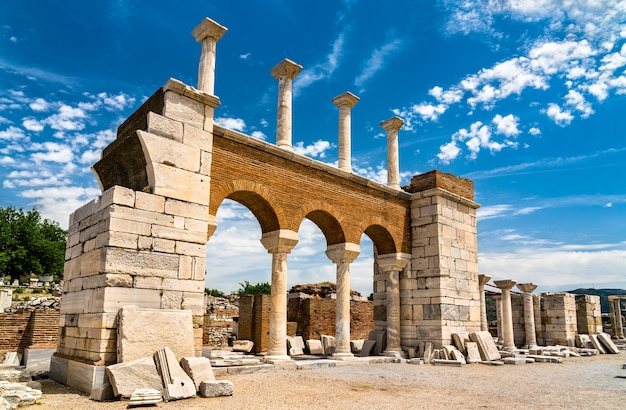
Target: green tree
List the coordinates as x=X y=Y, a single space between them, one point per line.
x=30 y=244
x=259 y=289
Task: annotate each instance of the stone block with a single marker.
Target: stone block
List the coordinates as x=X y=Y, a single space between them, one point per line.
x=473 y=354
x=314 y=346
x=217 y=388
x=486 y=346
x=126 y=377
x=459 y=339
x=183 y=109
x=514 y=360
x=199 y=369
x=140 y=332
x=179 y=183
x=610 y=347
x=356 y=346
x=329 y=343
x=243 y=346
x=379 y=337
x=166 y=151
x=597 y=344
x=368 y=346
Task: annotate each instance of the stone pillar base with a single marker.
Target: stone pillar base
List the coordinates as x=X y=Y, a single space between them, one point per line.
x=84 y=377
x=342 y=356
x=395 y=353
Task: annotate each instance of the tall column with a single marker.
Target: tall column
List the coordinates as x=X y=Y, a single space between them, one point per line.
x=498 y=299
x=529 y=313
x=616 y=317
x=507 y=313
x=279 y=244
x=285 y=72
x=392 y=126
x=392 y=264
x=343 y=254
x=345 y=102
x=482 y=281
x=208 y=32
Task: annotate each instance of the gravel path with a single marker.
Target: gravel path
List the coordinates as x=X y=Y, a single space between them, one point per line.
x=597 y=382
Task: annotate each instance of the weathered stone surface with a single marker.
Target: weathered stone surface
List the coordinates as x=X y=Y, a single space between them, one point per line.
x=243 y=346
x=198 y=368
x=514 y=360
x=145 y=397
x=216 y=388
x=176 y=384
x=366 y=350
x=597 y=344
x=486 y=346
x=329 y=343
x=379 y=337
x=445 y=362
x=141 y=332
x=473 y=354
x=428 y=352
x=605 y=339
x=459 y=339
x=314 y=346
x=295 y=344
x=356 y=346
x=126 y=377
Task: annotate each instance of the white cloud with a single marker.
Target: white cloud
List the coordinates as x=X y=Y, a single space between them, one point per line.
x=245 y=56
x=12 y=134
x=32 y=124
x=534 y=131
x=493 y=211
x=258 y=135
x=56 y=203
x=236 y=124
x=39 y=105
x=507 y=126
x=557 y=115
x=315 y=150
x=52 y=152
x=448 y=152
x=377 y=61
x=577 y=101
x=320 y=71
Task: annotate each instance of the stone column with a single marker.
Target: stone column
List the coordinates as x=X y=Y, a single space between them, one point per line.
x=482 y=281
x=392 y=264
x=345 y=102
x=392 y=126
x=529 y=313
x=498 y=299
x=279 y=244
x=343 y=254
x=208 y=32
x=285 y=72
x=507 y=313
x=616 y=317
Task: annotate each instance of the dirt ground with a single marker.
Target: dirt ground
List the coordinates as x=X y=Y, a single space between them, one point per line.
x=597 y=382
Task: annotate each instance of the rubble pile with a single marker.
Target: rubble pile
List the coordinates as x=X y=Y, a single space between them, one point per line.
x=40 y=303
x=219 y=324
x=17 y=388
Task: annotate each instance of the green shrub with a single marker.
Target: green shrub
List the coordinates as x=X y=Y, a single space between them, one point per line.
x=214 y=292
x=18 y=290
x=259 y=289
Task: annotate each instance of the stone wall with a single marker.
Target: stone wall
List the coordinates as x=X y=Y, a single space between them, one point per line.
x=218 y=324
x=517 y=309
x=316 y=317
x=588 y=314
x=558 y=319
x=30 y=329
x=254 y=320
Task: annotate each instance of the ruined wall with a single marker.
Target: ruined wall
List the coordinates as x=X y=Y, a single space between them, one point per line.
x=254 y=320
x=34 y=330
x=316 y=317
x=558 y=317
x=517 y=309
x=588 y=314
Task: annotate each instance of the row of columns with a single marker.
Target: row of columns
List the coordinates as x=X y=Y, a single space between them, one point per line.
x=279 y=244
x=285 y=72
x=506 y=312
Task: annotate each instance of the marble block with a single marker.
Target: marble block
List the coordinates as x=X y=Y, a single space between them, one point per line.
x=486 y=346
x=314 y=346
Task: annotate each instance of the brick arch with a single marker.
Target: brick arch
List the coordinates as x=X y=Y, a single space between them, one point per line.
x=326 y=218
x=374 y=228
x=256 y=197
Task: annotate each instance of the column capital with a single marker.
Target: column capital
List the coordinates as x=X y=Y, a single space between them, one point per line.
x=286 y=68
x=393 y=262
x=343 y=252
x=527 y=287
x=392 y=124
x=615 y=298
x=208 y=28
x=483 y=279
x=282 y=240
x=346 y=99
x=506 y=284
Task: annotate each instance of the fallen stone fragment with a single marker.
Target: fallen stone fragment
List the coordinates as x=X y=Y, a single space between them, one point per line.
x=415 y=361
x=514 y=360
x=329 y=343
x=356 y=346
x=546 y=359
x=127 y=377
x=314 y=346
x=367 y=348
x=459 y=339
x=597 y=345
x=176 y=384
x=243 y=346
x=145 y=397
x=486 y=345
x=493 y=362
x=605 y=339
x=444 y=362
x=379 y=336
x=473 y=355
x=198 y=368
x=217 y=388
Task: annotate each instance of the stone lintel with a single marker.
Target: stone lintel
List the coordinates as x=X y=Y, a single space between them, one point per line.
x=613 y=298
x=392 y=124
x=343 y=252
x=282 y=240
x=208 y=28
x=527 y=287
x=286 y=68
x=505 y=284
x=444 y=194
x=393 y=262
x=346 y=99
x=181 y=88
x=483 y=279
x=436 y=179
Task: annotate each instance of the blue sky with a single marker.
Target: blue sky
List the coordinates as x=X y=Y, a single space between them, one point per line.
x=525 y=97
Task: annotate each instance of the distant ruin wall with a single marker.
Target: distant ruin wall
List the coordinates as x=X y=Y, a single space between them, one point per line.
x=29 y=330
